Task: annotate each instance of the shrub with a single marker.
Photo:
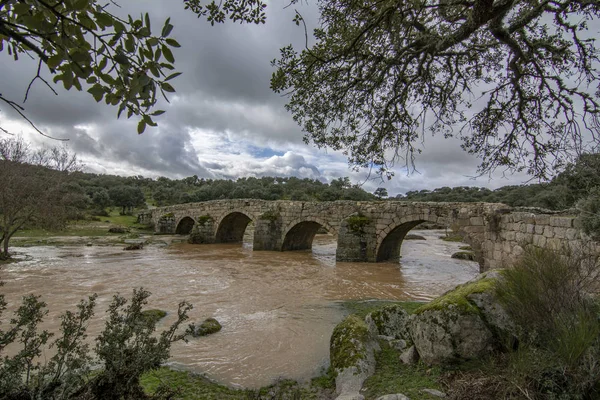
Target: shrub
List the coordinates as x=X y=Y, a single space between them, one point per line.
x=551 y=296
x=590 y=213
x=126 y=348
x=21 y=376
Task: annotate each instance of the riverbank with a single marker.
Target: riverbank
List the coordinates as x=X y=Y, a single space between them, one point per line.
x=391 y=375
x=262 y=336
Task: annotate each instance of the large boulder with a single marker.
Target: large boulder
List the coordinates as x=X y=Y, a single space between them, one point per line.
x=465 y=323
x=352 y=357
x=389 y=321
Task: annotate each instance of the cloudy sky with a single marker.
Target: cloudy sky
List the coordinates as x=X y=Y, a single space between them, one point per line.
x=223 y=122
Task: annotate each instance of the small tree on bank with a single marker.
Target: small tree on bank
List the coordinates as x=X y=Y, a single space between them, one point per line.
x=380 y=193
x=127 y=197
x=31 y=194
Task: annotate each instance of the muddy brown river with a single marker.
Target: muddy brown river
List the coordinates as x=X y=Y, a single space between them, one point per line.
x=277 y=309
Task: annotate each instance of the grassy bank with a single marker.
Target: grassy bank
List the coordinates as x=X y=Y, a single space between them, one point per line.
x=83 y=232
x=190 y=386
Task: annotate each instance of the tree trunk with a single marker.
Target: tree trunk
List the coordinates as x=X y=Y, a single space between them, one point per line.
x=4 y=254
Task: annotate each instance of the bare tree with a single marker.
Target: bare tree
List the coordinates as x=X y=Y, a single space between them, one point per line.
x=58 y=158
x=31 y=191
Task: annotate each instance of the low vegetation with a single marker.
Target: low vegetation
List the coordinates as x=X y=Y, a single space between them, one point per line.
x=126 y=349
x=553 y=297
x=392 y=376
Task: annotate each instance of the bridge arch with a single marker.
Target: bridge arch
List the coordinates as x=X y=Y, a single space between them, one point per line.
x=231 y=227
x=299 y=234
x=185 y=226
x=389 y=241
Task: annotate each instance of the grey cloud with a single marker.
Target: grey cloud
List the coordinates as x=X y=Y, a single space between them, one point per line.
x=224 y=90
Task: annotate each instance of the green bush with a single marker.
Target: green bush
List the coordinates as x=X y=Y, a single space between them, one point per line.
x=590 y=213
x=126 y=348
x=551 y=296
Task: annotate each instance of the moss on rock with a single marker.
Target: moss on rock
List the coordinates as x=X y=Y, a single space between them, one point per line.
x=207 y=327
x=348 y=343
x=270 y=216
x=357 y=223
x=391 y=320
x=204 y=219
x=458 y=297
x=154 y=315
x=464 y=255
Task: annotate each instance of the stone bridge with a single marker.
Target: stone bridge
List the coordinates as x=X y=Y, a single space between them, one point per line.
x=371 y=231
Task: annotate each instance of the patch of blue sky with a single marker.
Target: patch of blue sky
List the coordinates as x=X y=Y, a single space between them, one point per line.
x=264 y=152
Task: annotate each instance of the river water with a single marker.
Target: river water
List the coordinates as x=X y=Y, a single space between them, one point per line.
x=277 y=309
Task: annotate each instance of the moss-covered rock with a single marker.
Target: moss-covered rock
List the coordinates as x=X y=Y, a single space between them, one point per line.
x=207 y=327
x=348 y=341
x=154 y=315
x=352 y=355
x=454 y=327
x=391 y=321
x=458 y=297
x=464 y=255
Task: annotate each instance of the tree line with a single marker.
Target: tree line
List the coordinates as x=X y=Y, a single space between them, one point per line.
x=576 y=182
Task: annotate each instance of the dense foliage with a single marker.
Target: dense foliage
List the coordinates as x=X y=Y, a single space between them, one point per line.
x=165 y=191
x=577 y=182
x=89 y=45
x=126 y=348
x=516 y=81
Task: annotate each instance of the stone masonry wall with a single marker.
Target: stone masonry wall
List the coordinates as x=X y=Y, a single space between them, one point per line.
x=497 y=233
x=507 y=239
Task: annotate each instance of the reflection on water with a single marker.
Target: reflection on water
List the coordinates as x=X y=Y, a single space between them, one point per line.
x=277 y=309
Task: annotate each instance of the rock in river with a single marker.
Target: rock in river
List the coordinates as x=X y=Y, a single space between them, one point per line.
x=209 y=326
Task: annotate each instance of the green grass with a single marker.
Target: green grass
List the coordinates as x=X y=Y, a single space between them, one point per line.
x=124 y=220
x=392 y=376
x=88 y=228
x=71 y=230
x=189 y=386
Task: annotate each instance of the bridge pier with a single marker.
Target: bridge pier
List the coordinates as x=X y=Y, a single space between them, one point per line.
x=203 y=231
x=267 y=232
x=357 y=240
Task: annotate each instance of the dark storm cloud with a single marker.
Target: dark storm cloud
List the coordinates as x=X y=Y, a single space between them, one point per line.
x=224 y=121
x=224 y=87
